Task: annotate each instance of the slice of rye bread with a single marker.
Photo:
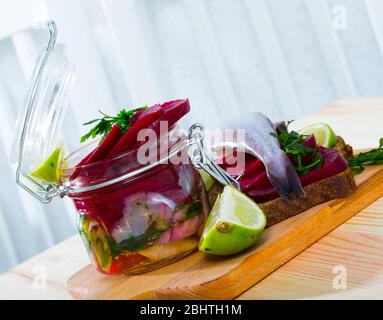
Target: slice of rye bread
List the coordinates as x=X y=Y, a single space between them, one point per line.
x=343 y=148
x=337 y=186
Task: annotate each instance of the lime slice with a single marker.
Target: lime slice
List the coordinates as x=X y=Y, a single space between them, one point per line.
x=100 y=247
x=234 y=224
x=49 y=171
x=323 y=133
x=207 y=179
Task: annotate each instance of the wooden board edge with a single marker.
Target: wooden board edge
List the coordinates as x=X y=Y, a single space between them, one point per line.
x=306 y=234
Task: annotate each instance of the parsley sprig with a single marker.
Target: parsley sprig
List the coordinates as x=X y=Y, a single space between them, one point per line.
x=104 y=124
x=358 y=162
x=292 y=144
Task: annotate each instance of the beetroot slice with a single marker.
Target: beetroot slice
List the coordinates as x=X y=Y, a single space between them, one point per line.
x=255 y=184
x=151 y=118
x=172 y=112
x=106 y=145
x=137 y=115
x=100 y=151
x=77 y=169
x=129 y=139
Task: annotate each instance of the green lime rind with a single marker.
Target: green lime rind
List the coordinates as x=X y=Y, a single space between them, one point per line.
x=207 y=179
x=49 y=171
x=323 y=133
x=237 y=239
x=234 y=224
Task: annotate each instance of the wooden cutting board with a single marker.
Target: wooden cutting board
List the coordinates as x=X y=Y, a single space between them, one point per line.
x=201 y=276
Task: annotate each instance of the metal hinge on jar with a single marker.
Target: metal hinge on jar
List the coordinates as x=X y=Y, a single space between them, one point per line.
x=201 y=159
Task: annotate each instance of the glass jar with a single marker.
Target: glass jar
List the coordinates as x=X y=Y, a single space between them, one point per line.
x=133 y=217
x=149 y=217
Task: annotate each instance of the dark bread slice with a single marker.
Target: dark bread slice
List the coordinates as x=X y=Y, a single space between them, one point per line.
x=338 y=186
x=343 y=148
x=330 y=188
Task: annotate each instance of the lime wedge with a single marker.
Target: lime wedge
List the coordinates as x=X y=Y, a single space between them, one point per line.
x=100 y=247
x=207 y=179
x=49 y=171
x=234 y=224
x=323 y=133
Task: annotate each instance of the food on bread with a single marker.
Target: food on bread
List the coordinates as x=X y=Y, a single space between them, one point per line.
x=323 y=172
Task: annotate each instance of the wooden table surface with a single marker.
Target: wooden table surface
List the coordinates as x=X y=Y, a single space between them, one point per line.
x=345 y=264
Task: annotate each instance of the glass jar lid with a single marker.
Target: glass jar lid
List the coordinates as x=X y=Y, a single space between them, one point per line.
x=38 y=125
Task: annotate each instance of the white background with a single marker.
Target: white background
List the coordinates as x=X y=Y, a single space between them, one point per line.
x=286 y=58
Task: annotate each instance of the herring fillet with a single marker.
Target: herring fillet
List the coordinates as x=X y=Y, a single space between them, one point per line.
x=260 y=143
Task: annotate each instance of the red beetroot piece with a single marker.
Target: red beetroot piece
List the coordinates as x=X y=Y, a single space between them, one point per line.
x=143 y=121
x=255 y=183
x=101 y=151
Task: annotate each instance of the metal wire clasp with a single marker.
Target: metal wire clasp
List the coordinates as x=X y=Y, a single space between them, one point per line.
x=43 y=193
x=202 y=160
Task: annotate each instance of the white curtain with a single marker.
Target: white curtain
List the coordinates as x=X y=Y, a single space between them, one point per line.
x=286 y=58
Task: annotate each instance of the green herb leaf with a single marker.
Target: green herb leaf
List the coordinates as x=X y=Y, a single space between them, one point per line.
x=292 y=144
x=358 y=162
x=133 y=244
x=194 y=209
x=105 y=124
